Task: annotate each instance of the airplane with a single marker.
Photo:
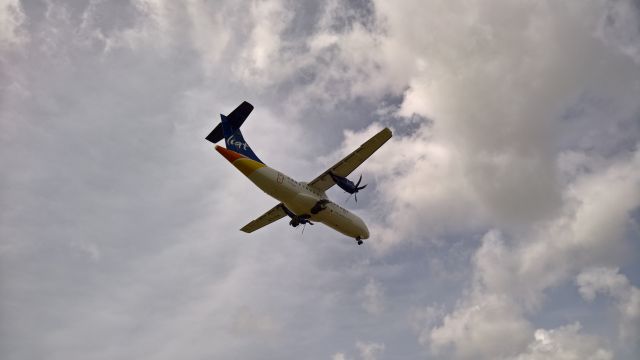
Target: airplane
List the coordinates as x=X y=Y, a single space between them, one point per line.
x=303 y=202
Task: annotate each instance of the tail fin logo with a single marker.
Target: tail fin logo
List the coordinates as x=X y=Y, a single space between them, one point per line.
x=239 y=144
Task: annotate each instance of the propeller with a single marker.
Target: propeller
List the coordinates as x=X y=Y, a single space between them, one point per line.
x=348 y=185
x=348 y=198
x=358 y=188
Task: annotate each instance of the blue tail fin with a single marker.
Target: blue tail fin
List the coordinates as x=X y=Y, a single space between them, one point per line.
x=235 y=141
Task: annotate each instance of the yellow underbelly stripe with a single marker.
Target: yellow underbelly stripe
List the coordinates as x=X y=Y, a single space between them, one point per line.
x=247 y=166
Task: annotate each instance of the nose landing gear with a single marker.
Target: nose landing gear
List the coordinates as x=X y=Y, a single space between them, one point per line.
x=358 y=240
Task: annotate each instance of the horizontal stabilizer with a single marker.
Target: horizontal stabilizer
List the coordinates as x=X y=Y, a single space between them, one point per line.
x=216 y=135
x=236 y=118
x=240 y=114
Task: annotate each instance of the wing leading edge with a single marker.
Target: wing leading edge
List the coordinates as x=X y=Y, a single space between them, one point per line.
x=350 y=162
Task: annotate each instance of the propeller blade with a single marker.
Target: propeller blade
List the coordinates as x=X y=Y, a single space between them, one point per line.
x=359 y=180
x=361 y=187
x=355 y=195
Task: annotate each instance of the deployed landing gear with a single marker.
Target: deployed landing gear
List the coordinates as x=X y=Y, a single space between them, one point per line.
x=296 y=219
x=358 y=240
x=302 y=219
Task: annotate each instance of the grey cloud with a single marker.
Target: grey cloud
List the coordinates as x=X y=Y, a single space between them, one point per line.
x=12 y=18
x=373 y=297
x=565 y=342
x=514 y=280
x=608 y=281
x=369 y=350
x=119 y=223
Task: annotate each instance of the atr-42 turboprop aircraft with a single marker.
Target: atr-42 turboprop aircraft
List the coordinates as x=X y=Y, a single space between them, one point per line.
x=302 y=202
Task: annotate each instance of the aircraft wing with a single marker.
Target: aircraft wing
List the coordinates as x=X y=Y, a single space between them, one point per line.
x=276 y=213
x=345 y=166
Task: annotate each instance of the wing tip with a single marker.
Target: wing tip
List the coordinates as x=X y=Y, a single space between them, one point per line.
x=245 y=229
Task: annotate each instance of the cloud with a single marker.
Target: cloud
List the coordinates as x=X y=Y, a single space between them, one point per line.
x=246 y=321
x=422 y=320
x=256 y=64
x=497 y=131
x=620 y=27
x=592 y=221
x=604 y=280
x=373 y=297
x=479 y=329
x=512 y=172
x=510 y=281
x=12 y=18
x=366 y=350
x=609 y=281
x=497 y=82
x=565 y=342
x=338 y=356
x=369 y=350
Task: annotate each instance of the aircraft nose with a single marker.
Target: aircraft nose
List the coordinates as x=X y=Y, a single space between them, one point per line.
x=365 y=231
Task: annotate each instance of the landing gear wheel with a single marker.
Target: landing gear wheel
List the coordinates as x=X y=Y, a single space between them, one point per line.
x=359 y=241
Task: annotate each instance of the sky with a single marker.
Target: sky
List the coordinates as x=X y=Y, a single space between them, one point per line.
x=504 y=213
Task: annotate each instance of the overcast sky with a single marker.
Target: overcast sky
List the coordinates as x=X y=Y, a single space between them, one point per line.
x=504 y=213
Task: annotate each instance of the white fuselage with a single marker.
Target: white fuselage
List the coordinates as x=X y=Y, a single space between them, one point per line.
x=300 y=198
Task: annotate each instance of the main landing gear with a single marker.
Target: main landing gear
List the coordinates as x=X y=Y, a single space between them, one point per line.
x=358 y=240
x=319 y=206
